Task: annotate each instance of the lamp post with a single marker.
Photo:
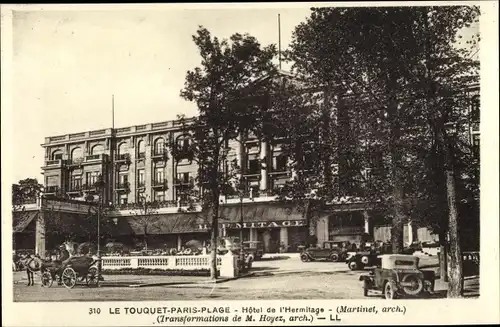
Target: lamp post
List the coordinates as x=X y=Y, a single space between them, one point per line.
x=100 y=187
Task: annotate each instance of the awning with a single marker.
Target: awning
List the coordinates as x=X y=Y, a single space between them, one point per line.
x=257 y=212
x=175 y=223
x=21 y=220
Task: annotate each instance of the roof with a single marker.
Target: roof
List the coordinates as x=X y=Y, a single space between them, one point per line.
x=175 y=223
x=21 y=220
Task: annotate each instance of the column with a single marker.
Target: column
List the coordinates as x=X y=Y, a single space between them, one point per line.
x=179 y=242
x=293 y=172
x=410 y=232
x=241 y=151
x=284 y=237
x=263 y=170
x=322 y=229
x=366 y=215
x=40 y=234
x=252 y=234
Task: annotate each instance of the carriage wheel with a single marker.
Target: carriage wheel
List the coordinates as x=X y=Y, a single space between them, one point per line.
x=47 y=279
x=92 y=277
x=69 y=277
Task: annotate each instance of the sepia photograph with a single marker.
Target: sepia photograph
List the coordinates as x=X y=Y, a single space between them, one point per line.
x=172 y=153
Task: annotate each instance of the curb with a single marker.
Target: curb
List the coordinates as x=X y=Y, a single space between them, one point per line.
x=205 y=282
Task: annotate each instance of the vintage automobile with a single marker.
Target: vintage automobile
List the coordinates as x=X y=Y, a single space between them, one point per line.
x=362 y=259
x=255 y=248
x=399 y=276
x=331 y=250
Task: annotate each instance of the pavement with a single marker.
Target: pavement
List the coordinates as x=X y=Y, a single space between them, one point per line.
x=281 y=276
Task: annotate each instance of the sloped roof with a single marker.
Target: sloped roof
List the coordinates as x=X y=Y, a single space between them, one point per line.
x=175 y=223
x=21 y=220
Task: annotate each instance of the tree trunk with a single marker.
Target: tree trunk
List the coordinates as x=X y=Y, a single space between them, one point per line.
x=443 y=257
x=455 y=284
x=398 y=213
x=213 y=239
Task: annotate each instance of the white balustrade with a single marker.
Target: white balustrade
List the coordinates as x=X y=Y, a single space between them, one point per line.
x=226 y=264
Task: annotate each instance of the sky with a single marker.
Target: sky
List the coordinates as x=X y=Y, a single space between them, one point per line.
x=68 y=64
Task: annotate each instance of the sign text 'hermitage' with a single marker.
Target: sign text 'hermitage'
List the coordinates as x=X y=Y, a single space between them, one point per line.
x=259 y=224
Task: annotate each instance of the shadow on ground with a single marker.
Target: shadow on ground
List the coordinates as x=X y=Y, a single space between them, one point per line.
x=275 y=258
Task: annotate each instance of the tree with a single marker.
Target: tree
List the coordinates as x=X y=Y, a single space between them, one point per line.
x=25 y=191
x=146 y=217
x=399 y=72
x=229 y=89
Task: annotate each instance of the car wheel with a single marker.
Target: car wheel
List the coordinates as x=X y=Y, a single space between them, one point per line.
x=365 y=260
x=353 y=265
x=304 y=257
x=334 y=257
x=416 y=285
x=390 y=290
x=365 y=288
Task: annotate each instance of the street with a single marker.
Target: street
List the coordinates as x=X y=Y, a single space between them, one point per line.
x=283 y=277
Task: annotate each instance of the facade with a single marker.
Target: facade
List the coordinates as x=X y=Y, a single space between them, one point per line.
x=135 y=163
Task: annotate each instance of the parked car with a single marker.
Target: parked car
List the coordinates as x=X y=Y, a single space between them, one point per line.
x=255 y=248
x=360 y=260
x=331 y=250
x=399 y=276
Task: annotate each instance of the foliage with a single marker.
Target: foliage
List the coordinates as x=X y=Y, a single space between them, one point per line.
x=146 y=217
x=25 y=191
x=369 y=98
x=229 y=88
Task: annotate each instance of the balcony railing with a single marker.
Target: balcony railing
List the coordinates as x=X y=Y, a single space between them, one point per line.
x=123 y=186
x=182 y=182
x=75 y=188
x=141 y=184
x=160 y=183
x=154 y=204
x=51 y=189
x=75 y=162
x=141 y=155
x=158 y=153
x=122 y=157
x=94 y=157
x=55 y=162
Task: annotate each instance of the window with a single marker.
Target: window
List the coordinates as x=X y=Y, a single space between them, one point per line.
x=140 y=178
x=476 y=144
x=123 y=180
x=475 y=108
x=76 y=153
x=97 y=149
x=141 y=149
x=159 y=175
x=160 y=196
x=123 y=199
x=76 y=183
x=159 y=147
x=123 y=148
x=92 y=178
x=183 y=143
x=52 y=181
x=57 y=155
x=140 y=196
x=183 y=178
x=280 y=163
x=253 y=165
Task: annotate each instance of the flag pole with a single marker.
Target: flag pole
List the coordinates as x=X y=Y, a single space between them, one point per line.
x=279 y=41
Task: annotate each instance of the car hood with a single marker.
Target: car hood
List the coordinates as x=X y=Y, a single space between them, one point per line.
x=406 y=271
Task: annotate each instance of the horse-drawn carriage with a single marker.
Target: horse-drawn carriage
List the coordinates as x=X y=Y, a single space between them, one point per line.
x=81 y=267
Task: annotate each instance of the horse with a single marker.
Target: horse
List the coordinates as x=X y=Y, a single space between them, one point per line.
x=32 y=264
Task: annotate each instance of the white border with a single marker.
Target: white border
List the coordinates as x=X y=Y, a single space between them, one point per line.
x=485 y=309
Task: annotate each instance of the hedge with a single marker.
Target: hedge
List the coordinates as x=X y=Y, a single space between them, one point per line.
x=148 y=271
